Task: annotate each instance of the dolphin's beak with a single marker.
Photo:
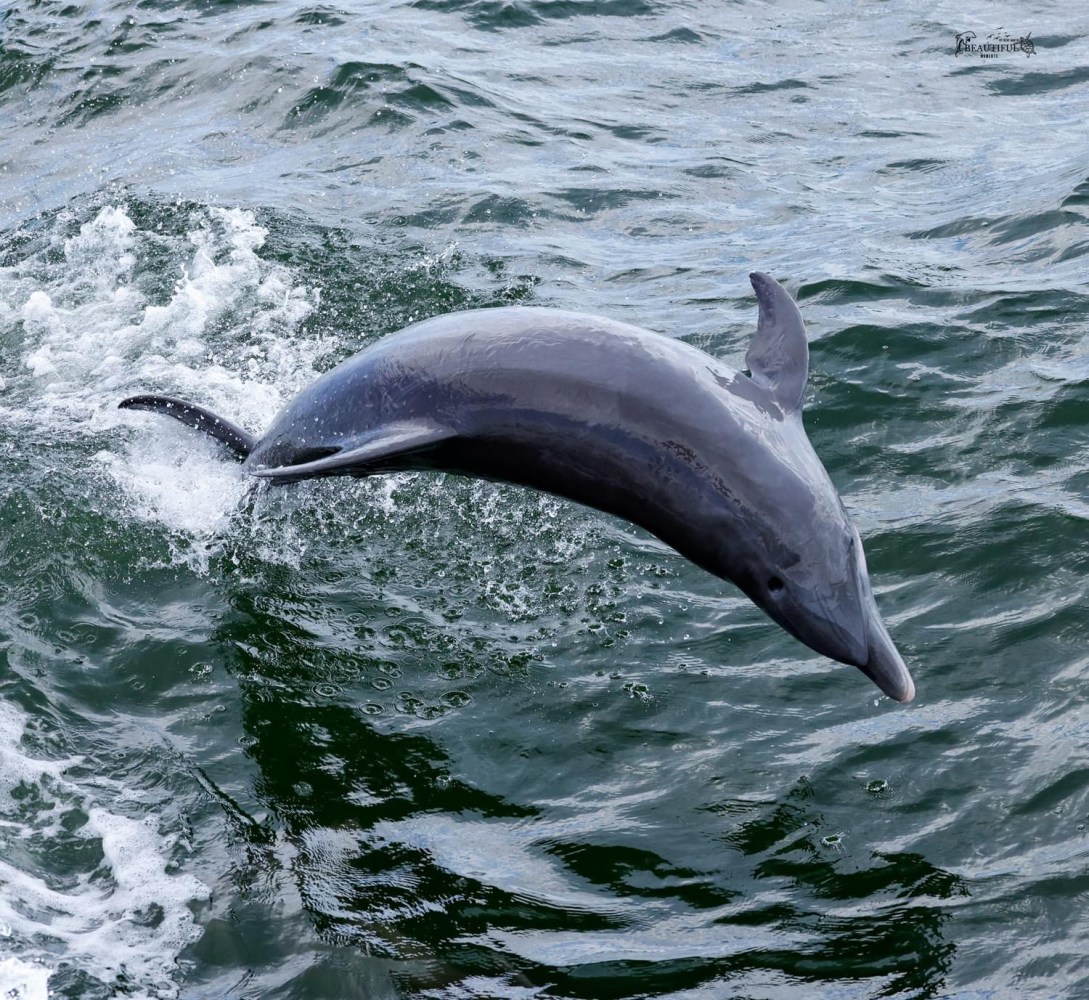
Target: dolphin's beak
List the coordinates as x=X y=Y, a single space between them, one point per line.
x=885 y=667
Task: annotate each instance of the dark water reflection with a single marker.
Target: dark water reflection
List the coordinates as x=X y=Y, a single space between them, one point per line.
x=397 y=851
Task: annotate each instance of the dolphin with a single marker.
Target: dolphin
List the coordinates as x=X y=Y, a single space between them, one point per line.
x=713 y=461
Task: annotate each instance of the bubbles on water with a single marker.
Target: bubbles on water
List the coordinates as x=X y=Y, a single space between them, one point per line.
x=639 y=691
x=834 y=842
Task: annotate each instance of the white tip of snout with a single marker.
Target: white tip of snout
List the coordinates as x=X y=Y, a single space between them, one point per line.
x=885 y=667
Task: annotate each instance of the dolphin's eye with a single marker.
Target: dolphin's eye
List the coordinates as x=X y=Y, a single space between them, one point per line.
x=775 y=584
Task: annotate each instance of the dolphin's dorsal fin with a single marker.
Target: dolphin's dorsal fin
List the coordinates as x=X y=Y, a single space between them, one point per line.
x=389 y=441
x=778 y=356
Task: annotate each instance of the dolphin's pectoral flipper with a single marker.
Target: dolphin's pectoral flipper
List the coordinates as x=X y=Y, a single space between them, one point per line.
x=234 y=437
x=778 y=356
x=388 y=442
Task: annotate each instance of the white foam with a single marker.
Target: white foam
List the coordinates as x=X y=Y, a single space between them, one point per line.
x=122 y=913
x=23 y=981
x=98 y=323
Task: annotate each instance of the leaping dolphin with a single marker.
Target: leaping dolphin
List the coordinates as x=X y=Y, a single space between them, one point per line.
x=713 y=462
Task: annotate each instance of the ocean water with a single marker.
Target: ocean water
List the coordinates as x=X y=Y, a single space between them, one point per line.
x=421 y=737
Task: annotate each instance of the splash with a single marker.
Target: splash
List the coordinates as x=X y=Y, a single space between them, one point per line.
x=107 y=308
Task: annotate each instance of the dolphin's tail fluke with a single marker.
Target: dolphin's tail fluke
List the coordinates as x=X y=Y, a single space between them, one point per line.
x=239 y=441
